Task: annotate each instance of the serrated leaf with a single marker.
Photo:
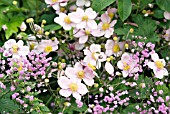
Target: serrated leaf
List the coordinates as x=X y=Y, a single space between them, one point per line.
x=124 y=9
x=164 y=4
x=12 y=25
x=99 y=5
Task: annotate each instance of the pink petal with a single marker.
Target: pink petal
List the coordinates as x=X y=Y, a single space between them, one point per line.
x=79 y=33
x=113 y=23
x=109 y=68
x=88 y=81
x=109 y=52
x=83 y=39
x=109 y=44
x=95 y=48
x=77 y=95
x=63 y=82
x=70 y=72
x=154 y=56
x=81 y=25
x=167 y=15
x=78 y=66
x=65 y=92
x=89 y=73
x=120 y=65
x=105 y=18
x=152 y=65
x=125 y=73
x=90 y=13
x=80 y=2
x=125 y=57
x=82 y=89
x=92 y=24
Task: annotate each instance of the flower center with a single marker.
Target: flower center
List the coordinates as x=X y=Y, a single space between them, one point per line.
x=91 y=66
x=54 y=1
x=48 y=49
x=105 y=26
x=62 y=9
x=111 y=15
x=67 y=20
x=73 y=87
x=93 y=56
x=116 y=48
x=15 y=48
x=32 y=46
x=85 y=18
x=126 y=66
x=87 y=32
x=20 y=67
x=159 y=64
x=80 y=74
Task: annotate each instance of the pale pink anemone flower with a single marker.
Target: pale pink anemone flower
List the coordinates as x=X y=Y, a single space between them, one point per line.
x=105 y=27
x=167 y=15
x=94 y=56
x=84 y=19
x=128 y=64
x=158 y=66
x=47 y=46
x=111 y=12
x=80 y=73
x=16 y=49
x=64 y=21
x=82 y=34
x=71 y=86
x=167 y=35
x=114 y=47
x=56 y=3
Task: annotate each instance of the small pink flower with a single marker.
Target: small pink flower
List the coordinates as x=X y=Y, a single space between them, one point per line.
x=23 y=26
x=4 y=27
x=167 y=15
x=158 y=66
x=127 y=64
x=79 y=73
x=83 y=3
x=65 y=21
x=71 y=86
x=114 y=47
x=47 y=46
x=84 y=19
x=106 y=26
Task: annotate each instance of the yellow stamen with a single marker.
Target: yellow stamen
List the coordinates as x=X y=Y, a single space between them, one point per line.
x=80 y=74
x=48 y=49
x=15 y=48
x=54 y=1
x=67 y=20
x=62 y=9
x=73 y=87
x=93 y=56
x=126 y=66
x=105 y=26
x=85 y=18
x=91 y=66
x=111 y=15
x=20 y=67
x=159 y=64
x=87 y=32
x=116 y=48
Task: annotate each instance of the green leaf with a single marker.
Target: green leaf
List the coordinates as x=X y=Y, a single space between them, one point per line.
x=130 y=108
x=158 y=14
x=146 y=28
x=124 y=9
x=99 y=5
x=164 y=4
x=52 y=27
x=144 y=3
x=12 y=25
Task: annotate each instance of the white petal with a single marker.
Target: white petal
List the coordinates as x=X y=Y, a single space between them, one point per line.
x=76 y=95
x=63 y=82
x=109 y=68
x=92 y=24
x=80 y=2
x=83 y=39
x=90 y=13
x=82 y=89
x=154 y=56
x=65 y=92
